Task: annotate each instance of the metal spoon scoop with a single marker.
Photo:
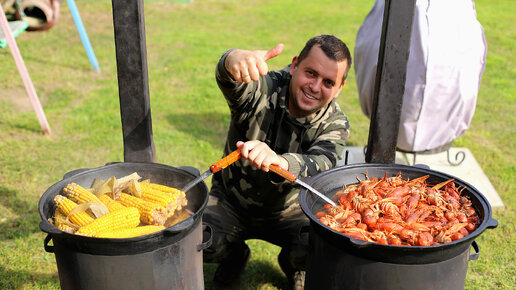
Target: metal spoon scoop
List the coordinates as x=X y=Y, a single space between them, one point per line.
x=292 y=178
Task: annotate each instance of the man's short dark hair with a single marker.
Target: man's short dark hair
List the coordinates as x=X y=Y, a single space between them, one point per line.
x=333 y=47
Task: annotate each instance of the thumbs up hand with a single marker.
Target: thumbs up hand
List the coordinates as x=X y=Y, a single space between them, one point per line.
x=246 y=66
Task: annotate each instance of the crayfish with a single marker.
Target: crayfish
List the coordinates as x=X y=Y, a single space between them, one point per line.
x=394 y=211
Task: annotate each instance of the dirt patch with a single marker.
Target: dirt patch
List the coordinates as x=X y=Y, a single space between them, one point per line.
x=18 y=97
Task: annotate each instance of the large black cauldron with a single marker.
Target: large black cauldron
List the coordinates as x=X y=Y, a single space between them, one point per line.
x=169 y=259
x=337 y=261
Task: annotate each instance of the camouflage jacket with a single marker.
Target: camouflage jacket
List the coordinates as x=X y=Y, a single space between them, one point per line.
x=259 y=111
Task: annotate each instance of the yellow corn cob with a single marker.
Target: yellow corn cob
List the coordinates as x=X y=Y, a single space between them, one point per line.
x=65 y=205
x=79 y=194
x=180 y=202
x=65 y=228
x=111 y=204
x=171 y=199
x=59 y=214
x=130 y=232
x=128 y=217
x=58 y=222
x=150 y=213
x=160 y=187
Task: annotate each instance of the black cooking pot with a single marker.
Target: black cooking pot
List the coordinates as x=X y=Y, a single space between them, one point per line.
x=333 y=251
x=168 y=259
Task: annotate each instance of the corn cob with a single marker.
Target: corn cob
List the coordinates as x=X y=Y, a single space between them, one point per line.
x=111 y=204
x=150 y=213
x=59 y=222
x=161 y=187
x=65 y=228
x=65 y=205
x=59 y=214
x=79 y=194
x=130 y=232
x=171 y=199
x=124 y=218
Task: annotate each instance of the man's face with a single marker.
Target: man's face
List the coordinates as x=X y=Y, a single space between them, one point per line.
x=316 y=81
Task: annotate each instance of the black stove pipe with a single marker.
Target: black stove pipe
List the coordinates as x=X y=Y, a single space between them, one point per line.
x=390 y=81
x=133 y=81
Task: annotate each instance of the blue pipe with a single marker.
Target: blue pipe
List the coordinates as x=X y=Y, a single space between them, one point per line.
x=82 y=33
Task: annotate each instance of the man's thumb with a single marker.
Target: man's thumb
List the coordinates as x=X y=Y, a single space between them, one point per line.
x=274 y=52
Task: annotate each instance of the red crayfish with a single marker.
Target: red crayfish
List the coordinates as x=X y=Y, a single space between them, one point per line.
x=394 y=211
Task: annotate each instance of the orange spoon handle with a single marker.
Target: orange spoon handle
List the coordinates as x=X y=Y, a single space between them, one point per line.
x=283 y=173
x=226 y=161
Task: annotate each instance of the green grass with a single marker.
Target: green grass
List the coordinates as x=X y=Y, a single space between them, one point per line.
x=189 y=115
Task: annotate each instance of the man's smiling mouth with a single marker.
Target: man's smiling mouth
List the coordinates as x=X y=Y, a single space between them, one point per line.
x=309 y=96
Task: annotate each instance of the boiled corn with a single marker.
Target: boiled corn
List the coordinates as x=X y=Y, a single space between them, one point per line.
x=128 y=217
x=65 y=205
x=150 y=213
x=130 y=232
x=111 y=204
x=171 y=199
x=79 y=194
x=59 y=221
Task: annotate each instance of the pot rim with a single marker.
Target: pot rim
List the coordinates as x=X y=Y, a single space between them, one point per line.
x=486 y=222
x=57 y=187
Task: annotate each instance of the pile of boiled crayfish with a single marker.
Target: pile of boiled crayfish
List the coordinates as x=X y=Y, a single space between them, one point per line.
x=394 y=211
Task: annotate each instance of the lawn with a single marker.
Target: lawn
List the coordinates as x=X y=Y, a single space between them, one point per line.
x=189 y=115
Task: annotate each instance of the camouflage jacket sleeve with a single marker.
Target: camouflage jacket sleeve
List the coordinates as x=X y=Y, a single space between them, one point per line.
x=325 y=150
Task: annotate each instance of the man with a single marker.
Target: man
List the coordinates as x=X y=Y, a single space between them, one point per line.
x=288 y=118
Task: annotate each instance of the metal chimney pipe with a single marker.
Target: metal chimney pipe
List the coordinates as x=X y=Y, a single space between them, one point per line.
x=133 y=81
x=390 y=81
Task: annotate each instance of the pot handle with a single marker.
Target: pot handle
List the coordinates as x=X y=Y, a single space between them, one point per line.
x=48 y=248
x=359 y=243
x=48 y=228
x=475 y=255
x=179 y=227
x=191 y=170
x=421 y=165
x=492 y=223
x=207 y=238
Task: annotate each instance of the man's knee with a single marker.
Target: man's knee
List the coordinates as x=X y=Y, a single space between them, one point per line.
x=292 y=259
x=294 y=255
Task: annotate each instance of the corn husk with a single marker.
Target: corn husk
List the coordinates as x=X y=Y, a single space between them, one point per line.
x=98 y=209
x=115 y=186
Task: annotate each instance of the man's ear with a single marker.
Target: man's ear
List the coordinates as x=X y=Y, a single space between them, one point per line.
x=340 y=89
x=293 y=65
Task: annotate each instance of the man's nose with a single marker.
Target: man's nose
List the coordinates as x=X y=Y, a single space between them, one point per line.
x=315 y=85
